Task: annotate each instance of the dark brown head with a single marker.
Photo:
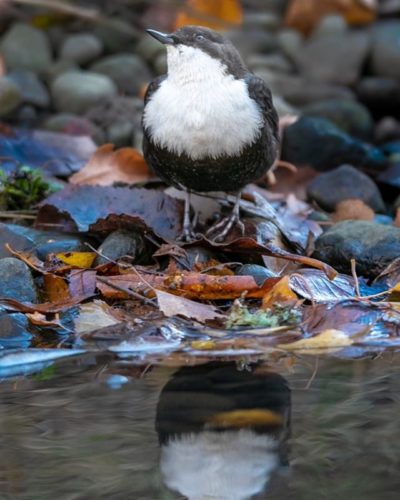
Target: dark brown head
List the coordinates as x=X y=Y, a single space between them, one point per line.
x=206 y=40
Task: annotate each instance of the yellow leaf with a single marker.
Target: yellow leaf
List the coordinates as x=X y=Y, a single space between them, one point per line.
x=77 y=259
x=280 y=294
x=327 y=339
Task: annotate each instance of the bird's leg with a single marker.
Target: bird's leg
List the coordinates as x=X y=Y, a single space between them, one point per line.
x=187 y=231
x=227 y=223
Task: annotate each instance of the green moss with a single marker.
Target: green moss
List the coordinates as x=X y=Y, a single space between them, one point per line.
x=22 y=189
x=240 y=315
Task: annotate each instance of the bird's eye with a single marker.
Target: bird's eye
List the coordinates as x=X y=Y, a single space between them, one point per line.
x=200 y=38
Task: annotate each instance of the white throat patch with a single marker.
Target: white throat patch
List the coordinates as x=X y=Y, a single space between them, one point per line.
x=199 y=109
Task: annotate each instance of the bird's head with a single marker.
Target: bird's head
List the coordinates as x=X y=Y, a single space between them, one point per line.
x=192 y=47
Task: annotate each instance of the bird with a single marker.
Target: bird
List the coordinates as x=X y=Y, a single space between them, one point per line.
x=209 y=123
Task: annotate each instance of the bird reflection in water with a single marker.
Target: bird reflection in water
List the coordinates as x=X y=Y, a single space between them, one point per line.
x=222 y=431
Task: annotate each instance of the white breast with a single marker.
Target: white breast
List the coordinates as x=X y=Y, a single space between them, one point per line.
x=199 y=109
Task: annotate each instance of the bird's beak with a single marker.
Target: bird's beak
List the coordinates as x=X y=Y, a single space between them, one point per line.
x=164 y=38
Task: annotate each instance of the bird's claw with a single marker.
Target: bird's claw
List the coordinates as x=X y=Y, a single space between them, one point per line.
x=225 y=225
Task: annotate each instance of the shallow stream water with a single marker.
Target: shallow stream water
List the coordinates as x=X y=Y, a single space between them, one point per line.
x=94 y=427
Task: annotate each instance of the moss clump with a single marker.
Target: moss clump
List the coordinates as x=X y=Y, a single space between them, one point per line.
x=240 y=315
x=22 y=189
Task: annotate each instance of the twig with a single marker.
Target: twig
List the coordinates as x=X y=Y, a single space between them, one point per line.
x=131 y=293
x=10 y=215
x=355 y=277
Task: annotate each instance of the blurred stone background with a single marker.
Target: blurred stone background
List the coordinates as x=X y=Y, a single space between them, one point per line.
x=81 y=67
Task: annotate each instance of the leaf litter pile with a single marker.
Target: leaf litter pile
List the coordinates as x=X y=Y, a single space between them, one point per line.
x=144 y=294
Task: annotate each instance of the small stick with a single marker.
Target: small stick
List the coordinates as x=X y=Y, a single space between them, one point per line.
x=131 y=293
x=355 y=277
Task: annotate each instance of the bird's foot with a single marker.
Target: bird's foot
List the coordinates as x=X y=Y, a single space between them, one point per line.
x=218 y=232
x=187 y=235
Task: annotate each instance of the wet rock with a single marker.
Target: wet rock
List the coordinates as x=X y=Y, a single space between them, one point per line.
x=17 y=241
x=43 y=242
x=119 y=244
x=78 y=91
x=350 y=116
x=118 y=118
x=300 y=92
x=380 y=94
x=389 y=7
x=333 y=57
x=282 y=107
x=262 y=20
x=127 y=71
x=26 y=115
x=387 y=130
x=344 y=183
x=148 y=48
x=116 y=35
x=16 y=280
x=14 y=331
x=318 y=143
x=10 y=96
x=385 y=54
x=32 y=90
x=373 y=246
x=26 y=47
x=254 y=40
x=290 y=42
x=160 y=65
x=273 y=62
x=81 y=48
x=58 y=68
x=120 y=133
x=259 y=273
x=69 y=123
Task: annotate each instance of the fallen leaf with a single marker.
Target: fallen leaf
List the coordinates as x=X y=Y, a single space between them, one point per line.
x=314 y=285
x=39 y=319
x=190 y=285
x=77 y=259
x=56 y=288
x=93 y=316
x=280 y=294
x=104 y=209
x=331 y=338
x=215 y=14
x=352 y=209
x=174 y=305
x=55 y=154
x=45 y=307
x=82 y=282
x=107 y=166
x=304 y=15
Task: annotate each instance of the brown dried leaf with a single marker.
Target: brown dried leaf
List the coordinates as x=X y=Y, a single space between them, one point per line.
x=45 y=307
x=173 y=305
x=107 y=166
x=352 y=209
x=280 y=294
x=56 y=288
x=190 y=285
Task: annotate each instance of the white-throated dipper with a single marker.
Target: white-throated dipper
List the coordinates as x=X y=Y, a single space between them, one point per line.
x=209 y=123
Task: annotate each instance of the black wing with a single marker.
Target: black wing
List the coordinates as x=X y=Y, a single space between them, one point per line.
x=262 y=95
